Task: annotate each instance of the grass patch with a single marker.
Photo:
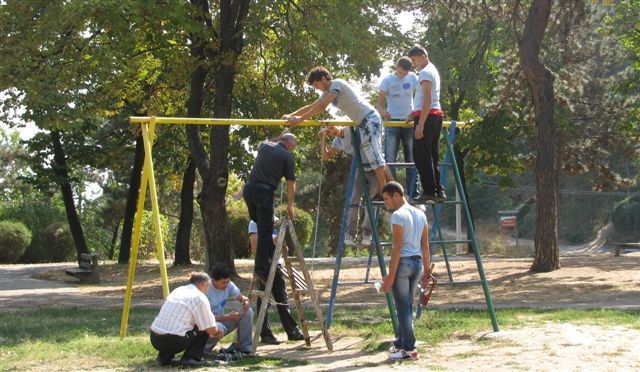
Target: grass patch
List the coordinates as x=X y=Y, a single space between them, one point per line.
x=467 y=355
x=88 y=338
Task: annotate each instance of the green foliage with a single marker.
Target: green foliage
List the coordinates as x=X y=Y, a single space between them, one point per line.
x=626 y=216
x=303 y=224
x=14 y=239
x=60 y=244
x=147 y=248
x=238 y=224
x=37 y=213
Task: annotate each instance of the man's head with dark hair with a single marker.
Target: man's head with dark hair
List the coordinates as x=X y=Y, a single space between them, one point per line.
x=417 y=50
x=201 y=280
x=419 y=57
x=317 y=73
x=221 y=271
x=221 y=275
x=393 y=195
x=404 y=63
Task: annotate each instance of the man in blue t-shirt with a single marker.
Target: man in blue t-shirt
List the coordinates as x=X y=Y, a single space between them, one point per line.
x=221 y=291
x=396 y=91
x=409 y=252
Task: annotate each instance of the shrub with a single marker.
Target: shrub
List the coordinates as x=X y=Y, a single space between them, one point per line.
x=60 y=244
x=239 y=223
x=626 y=216
x=14 y=239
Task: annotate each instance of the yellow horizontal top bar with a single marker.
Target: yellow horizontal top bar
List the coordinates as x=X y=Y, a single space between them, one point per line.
x=266 y=122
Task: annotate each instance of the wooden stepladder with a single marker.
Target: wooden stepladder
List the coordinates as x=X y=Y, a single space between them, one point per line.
x=300 y=284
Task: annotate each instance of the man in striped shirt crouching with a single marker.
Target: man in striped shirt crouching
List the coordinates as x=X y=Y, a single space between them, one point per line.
x=185 y=323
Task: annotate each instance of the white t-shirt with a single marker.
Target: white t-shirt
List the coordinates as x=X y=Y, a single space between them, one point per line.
x=413 y=222
x=344 y=143
x=354 y=106
x=184 y=308
x=399 y=93
x=428 y=73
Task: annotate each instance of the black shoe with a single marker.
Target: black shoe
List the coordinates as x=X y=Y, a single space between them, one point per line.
x=193 y=363
x=441 y=196
x=295 y=335
x=230 y=350
x=269 y=340
x=426 y=199
x=164 y=361
x=378 y=199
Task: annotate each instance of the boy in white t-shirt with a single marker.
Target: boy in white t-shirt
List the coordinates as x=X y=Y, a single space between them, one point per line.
x=409 y=252
x=368 y=122
x=395 y=102
x=427 y=118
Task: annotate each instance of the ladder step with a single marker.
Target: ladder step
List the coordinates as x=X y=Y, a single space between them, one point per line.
x=449 y=241
x=402 y=165
x=312 y=322
x=453 y=202
x=354 y=283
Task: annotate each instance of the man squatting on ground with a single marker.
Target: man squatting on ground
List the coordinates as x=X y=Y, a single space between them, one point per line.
x=369 y=123
x=279 y=292
x=396 y=90
x=220 y=291
x=185 y=323
x=273 y=162
x=410 y=250
x=427 y=119
x=342 y=142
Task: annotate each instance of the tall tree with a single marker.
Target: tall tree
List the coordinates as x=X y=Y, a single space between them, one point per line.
x=540 y=80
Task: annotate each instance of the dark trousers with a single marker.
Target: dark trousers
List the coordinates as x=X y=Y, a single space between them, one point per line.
x=279 y=292
x=425 y=154
x=259 y=200
x=169 y=345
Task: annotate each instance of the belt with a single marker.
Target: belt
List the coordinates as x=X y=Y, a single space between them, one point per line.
x=433 y=111
x=261 y=185
x=415 y=257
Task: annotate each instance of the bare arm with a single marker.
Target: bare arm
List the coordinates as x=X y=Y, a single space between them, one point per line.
x=327 y=152
x=397 y=232
x=425 y=85
x=380 y=105
x=253 y=240
x=291 y=193
x=311 y=110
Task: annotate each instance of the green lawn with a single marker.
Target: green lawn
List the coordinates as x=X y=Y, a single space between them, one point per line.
x=88 y=339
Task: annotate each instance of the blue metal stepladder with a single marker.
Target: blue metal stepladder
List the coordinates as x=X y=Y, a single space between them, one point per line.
x=376 y=244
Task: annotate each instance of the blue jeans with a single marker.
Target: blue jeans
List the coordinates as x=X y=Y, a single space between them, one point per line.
x=245 y=332
x=403 y=289
x=392 y=138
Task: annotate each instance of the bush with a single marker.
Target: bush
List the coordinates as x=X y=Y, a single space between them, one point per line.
x=60 y=247
x=626 y=216
x=239 y=223
x=14 y=239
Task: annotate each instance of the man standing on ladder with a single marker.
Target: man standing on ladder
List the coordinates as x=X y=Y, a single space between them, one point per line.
x=395 y=102
x=409 y=252
x=366 y=118
x=342 y=142
x=273 y=162
x=427 y=118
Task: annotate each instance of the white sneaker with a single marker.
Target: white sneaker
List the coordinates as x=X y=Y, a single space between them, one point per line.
x=393 y=349
x=404 y=355
x=366 y=239
x=349 y=239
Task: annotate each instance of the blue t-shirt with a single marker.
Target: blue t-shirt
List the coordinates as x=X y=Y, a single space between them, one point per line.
x=399 y=93
x=413 y=222
x=218 y=299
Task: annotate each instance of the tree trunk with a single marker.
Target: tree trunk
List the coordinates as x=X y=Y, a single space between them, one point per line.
x=114 y=238
x=540 y=80
x=62 y=174
x=132 y=202
x=214 y=169
x=183 y=237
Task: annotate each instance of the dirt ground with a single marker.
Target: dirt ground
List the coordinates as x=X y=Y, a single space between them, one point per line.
x=585 y=281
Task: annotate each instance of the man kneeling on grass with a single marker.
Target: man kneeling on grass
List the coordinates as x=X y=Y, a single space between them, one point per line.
x=185 y=322
x=221 y=290
x=410 y=250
